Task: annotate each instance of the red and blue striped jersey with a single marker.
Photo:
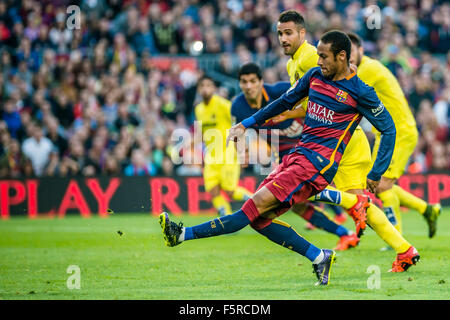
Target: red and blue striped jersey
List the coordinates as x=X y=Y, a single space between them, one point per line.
x=288 y=131
x=334 y=110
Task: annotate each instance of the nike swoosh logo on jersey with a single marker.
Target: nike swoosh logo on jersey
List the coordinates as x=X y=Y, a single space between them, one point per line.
x=276 y=185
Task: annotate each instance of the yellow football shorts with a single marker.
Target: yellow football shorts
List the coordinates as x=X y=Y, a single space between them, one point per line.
x=405 y=143
x=355 y=164
x=222 y=169
x=224 y=175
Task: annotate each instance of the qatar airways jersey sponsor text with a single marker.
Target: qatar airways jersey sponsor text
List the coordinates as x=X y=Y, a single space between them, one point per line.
x=320 y=113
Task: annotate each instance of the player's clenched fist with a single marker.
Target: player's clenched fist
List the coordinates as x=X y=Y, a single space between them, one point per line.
x=236 y=132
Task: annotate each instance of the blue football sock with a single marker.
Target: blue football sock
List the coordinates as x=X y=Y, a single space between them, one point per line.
x=320 y=220
x=336 y=209
x=226 y=224
x=283 y=234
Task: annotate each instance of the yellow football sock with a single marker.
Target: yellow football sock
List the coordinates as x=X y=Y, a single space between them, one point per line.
x=240 y=193
x=409 y=200
x=221 y=204
x=347 y=200
x=391 y=205
x=385 y=230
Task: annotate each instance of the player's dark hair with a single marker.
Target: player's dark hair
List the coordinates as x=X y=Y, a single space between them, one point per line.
x=206 y=77
x=292 y=15
x=355 y=39
x=339 y=42
x=250 y=68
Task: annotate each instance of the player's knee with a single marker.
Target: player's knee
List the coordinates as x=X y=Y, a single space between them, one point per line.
x=262 y=201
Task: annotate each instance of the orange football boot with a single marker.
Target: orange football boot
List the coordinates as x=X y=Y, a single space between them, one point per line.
x=405 y=260
x=359 y=213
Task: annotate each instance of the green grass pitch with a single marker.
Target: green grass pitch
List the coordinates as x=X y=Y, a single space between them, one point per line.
x=35 y=256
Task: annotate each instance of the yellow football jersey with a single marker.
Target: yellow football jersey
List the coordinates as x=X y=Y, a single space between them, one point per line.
x=388 y=90
x=304 y=59
x=215 y=119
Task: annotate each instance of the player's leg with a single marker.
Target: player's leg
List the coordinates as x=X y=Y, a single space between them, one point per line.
x=405 y=143
x=409 y=200
x=337 y=197
x=290 y=182
x=378 y=221
x=263 y=201
x=318 y=218
x=355 y=160
x=241 y=194
x=229 y=182
x=351 y=175
x=391 y=203
x=339 y=214
x=430 y=212
x=220 y=203
x=212 y=179
x=283 y=234
x=294 y=183
x=407 y=255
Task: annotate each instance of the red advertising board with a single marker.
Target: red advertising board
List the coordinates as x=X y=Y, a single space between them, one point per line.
x=178 y=195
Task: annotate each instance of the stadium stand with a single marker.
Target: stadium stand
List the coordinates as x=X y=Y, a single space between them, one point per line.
x=103 y=98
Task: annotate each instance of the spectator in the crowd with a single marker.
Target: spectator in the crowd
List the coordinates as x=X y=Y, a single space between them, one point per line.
x=167 y=167
x=37 y=148
x=74 y=162
x=13 y=161
x=96 y=157
x=166 y=34
x=139 y=166
x=124 y=118
x=120 y=153
x=112 y=166
x=12 y=118
x=52 y=167
x=143 y=40
x=56 y=135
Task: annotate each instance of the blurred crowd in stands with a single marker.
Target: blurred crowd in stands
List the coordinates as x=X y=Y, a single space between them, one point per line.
x=90 y=94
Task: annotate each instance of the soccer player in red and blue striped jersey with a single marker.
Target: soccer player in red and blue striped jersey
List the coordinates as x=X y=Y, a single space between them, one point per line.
x=255 y=95
x=338 y=100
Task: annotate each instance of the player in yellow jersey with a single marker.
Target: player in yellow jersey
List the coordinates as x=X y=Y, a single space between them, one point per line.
x=376 y=75
x=356 y=160
x=221 y=170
